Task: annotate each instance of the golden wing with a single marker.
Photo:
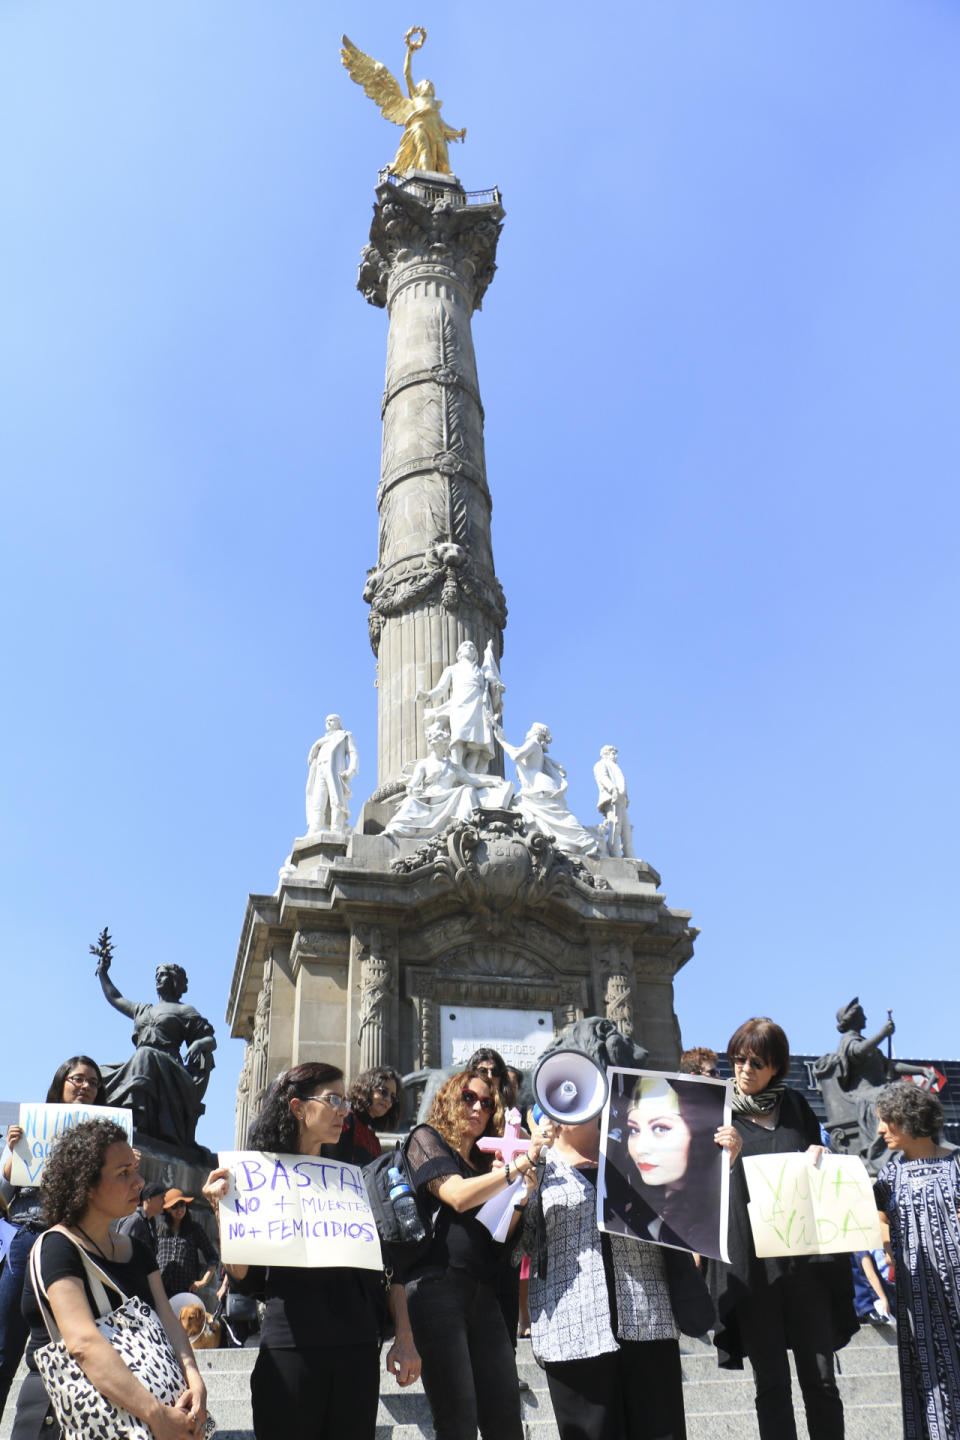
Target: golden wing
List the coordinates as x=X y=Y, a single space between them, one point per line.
x=377 y=82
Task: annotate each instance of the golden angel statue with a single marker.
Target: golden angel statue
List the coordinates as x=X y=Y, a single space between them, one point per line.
x=424 y=143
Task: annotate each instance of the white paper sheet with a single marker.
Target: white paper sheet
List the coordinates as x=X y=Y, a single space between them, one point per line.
x=42 y=1124
x=797 y=1208
x=296 y=1210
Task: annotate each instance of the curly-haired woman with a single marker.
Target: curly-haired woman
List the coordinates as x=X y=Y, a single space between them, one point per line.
x=469 y=1372
x=376 y=1097
x=317 y=1371
x=769 y=1306
x=918 y=1201
x=76 y=1082
x=90 y=1180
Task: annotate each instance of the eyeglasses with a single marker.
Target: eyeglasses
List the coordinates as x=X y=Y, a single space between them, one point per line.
x=178 y=1205
x=335 y=1101
x=471 y=1098
x=84 y=1082
x=386 y=1094
x=749 y=1061
x=713 y=1074
x=491 y=1071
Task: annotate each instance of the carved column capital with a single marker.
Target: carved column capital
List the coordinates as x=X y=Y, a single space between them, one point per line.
x=409 y=232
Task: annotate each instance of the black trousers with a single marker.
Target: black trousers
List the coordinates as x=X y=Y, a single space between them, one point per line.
x=467 y=1362
x=635 y=1393
x=321 y=1393
x=792 y=1313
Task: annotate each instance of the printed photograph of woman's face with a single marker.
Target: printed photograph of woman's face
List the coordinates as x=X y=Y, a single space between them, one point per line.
x=663 y=1178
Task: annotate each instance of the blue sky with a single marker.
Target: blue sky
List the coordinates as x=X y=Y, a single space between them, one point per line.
x=719 y=364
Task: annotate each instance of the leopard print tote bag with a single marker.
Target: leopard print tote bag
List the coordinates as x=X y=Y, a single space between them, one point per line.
x=135 y=1331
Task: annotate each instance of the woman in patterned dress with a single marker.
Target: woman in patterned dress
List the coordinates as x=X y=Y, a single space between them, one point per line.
x=918 y=1200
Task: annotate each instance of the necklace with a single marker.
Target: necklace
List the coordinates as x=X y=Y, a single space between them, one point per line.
x=91 y=1241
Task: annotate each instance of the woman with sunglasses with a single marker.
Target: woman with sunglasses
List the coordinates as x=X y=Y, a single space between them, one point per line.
x=769 y=1306
x=76 y=1082
x=317 y=1371
x=469 y=1372
x=180 y=1244
x=376 y=1097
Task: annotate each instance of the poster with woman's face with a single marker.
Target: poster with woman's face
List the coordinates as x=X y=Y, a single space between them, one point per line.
x=662 y=1177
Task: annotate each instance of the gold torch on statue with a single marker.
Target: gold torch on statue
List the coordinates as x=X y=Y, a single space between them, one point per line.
x=424 y=143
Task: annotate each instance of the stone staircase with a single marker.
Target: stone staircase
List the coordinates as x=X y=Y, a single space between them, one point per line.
x=719 y=1403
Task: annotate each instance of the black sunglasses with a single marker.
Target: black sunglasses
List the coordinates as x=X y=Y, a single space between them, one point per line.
x=750 y=1062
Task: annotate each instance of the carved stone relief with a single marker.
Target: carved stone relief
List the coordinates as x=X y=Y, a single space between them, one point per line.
x=377 y=952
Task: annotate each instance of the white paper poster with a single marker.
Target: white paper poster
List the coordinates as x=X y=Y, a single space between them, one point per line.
x=798 y=1208
x=296 y=1210
x=42 y=1124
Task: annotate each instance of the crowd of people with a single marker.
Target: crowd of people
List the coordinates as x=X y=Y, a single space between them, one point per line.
x=604 y=1310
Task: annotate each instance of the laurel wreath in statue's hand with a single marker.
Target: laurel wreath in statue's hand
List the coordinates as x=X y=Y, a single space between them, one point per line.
x=417 y=30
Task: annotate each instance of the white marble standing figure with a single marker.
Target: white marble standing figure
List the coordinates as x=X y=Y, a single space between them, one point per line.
x=612 y=802
x=542 y=799
x=442 y=792
x=333 y=764
x=470 y=696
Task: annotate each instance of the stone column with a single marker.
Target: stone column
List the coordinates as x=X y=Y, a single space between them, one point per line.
x=259 y=1040
x=429 y=261
x=614 y=967
x=377 y=952
x=429 y=1032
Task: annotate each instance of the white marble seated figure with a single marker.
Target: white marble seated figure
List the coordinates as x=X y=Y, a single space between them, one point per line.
x=542 y=800
x=612 y=802
x=470 y=696
x=441 y=791
x=332 y=765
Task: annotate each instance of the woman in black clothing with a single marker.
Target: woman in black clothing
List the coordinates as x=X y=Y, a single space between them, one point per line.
x=77 y=1082
x=90 y=1180
x=180 y=1243
x=317 y=1371
x=769 y=1306
x=469 y=1372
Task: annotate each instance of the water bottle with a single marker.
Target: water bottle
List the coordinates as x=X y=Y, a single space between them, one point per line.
x=404 y=1207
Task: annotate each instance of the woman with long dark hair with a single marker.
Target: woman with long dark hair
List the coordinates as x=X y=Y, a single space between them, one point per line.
x=90 y=1181
x=76 y=1082
x=376 y=1097
x=317 y=1371
x=769 y=1306
x=469 y=1372
x=663 y=1183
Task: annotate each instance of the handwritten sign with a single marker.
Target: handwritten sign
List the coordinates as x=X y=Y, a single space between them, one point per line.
x=296 y=1210
x=43 y=1124
x=8 y=1233
x=797 y=1208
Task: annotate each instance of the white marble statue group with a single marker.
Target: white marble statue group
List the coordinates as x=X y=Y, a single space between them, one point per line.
x=463 y=727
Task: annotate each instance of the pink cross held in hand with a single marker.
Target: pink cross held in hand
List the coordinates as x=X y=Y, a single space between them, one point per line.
x=509 y=1143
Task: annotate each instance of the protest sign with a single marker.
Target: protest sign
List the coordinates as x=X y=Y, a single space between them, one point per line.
x=662 y=1176
x=8 y=1233
x=295 y=1210
x=41 y=1125
x=798 y=1208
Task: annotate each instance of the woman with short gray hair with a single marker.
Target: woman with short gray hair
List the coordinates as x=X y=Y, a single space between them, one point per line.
x=918 y=1200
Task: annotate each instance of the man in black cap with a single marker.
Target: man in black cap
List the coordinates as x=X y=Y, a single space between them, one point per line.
x=141 y=1225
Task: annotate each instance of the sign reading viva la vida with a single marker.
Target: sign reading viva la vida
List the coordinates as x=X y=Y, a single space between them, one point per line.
x=295 y=1210
x=42 y=1124
x=798 y=1208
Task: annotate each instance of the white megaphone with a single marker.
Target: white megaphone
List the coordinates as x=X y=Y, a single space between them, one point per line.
x=570 y=1087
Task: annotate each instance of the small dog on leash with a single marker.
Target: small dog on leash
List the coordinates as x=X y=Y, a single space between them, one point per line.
x=201 y=1329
